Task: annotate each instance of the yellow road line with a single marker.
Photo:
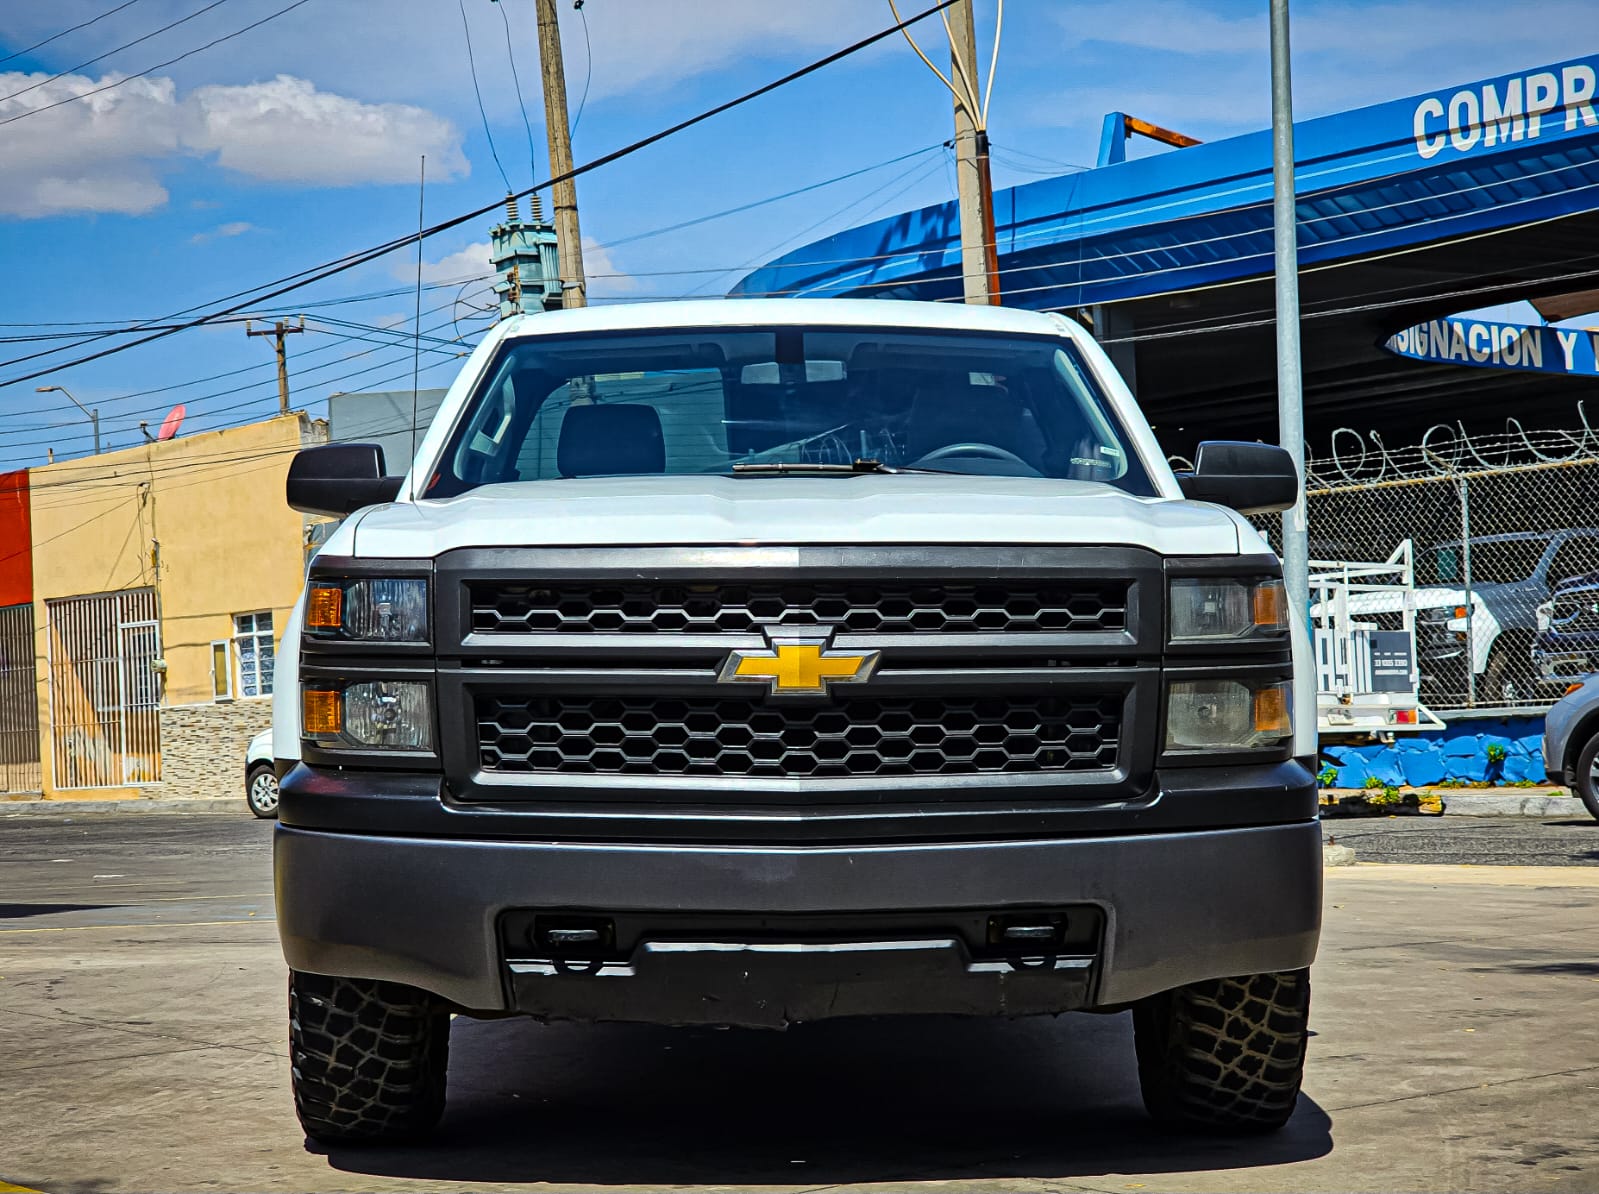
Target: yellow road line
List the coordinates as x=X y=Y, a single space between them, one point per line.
x=1466 y=875
x=186 y=924
x=8 y=1188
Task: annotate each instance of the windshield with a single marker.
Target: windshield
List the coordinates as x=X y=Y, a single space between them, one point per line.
x=713 y=401
x=1493 y=562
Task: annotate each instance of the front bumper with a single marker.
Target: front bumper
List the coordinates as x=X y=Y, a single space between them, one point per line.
x=1169 y=908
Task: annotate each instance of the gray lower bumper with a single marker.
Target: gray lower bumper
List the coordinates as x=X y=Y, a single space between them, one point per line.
x=1177 y=908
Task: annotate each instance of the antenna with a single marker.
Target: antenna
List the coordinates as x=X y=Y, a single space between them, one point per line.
x=170 y=424
x=416 y=335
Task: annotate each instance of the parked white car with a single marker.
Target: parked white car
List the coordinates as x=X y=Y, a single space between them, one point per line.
x=260 y=778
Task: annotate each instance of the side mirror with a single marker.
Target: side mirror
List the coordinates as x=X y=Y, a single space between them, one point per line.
x=339 y=479
x=1251 y=478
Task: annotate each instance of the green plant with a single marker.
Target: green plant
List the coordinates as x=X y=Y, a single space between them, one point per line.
x=1497 y=753
x=1328 y=776
x=1524 y=783
x=1373 y=782
x=1452 y=783
x=1386 y=797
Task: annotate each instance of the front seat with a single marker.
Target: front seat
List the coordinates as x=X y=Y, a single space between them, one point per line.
x=609 y=440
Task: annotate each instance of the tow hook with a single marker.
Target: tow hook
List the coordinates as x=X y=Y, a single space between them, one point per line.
x=575 y=946
x=1027 y=933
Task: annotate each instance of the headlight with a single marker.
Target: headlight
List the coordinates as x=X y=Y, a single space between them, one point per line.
x=1221 y=609
x=1226 y=715
x=377 y=609
x=369 y=715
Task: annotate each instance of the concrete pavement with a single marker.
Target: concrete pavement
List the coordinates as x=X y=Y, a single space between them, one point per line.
x=142 y=1043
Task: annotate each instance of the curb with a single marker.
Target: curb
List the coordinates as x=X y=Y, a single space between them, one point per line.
x=1451 y=802
x=216 y=806
x=1456 y=805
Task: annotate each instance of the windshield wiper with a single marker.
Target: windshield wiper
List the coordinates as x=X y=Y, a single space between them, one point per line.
x=813 y=466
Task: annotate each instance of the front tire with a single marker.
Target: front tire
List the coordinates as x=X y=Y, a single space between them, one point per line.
x=261 y=790
x=367 y=1058
x=1507 y=678
x=1586 y=780
x=1225 y=1055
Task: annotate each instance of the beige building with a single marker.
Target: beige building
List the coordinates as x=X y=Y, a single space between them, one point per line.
x=162 y=575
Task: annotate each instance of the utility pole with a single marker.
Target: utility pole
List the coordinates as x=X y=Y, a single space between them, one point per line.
x=1290 y=380
x=569 y=241
x=979 y=250
x=279 y=330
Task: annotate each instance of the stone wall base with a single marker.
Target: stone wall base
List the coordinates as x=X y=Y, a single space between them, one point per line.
x=202 y=747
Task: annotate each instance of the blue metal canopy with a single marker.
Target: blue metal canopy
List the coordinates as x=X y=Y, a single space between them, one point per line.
x=1500 y=153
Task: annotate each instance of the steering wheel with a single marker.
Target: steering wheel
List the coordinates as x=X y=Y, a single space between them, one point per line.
x=988 y=451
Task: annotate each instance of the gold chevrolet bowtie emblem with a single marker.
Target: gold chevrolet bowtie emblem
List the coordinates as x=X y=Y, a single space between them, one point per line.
x=799 y=667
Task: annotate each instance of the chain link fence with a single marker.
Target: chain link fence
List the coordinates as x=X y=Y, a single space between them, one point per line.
x=1505 y=531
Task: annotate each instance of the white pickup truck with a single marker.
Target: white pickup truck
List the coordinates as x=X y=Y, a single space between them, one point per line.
x=755 y=662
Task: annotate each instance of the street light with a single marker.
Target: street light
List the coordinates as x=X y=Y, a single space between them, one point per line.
x=94 y=415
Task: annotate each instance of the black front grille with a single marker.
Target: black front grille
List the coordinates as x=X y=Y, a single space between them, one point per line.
x=857 y=736
x=846 y=606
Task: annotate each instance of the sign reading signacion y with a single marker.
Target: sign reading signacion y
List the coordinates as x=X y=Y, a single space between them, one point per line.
x=1492 y=345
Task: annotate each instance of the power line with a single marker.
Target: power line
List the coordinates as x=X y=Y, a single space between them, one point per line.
x=471 y=63
x=510 y=54
x=301 y=371
x=303 y=375
x=127 y=45
x=217 y=41
x=306 y=277
x=588 y=65
x=743 y=207
x=110 y=12
x=136 y=324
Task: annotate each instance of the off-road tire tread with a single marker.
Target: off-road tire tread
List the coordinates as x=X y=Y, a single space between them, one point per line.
x=367 y=1058
x=1227 y=1054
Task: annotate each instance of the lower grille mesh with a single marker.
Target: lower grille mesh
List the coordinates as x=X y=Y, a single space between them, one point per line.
x=863 y=736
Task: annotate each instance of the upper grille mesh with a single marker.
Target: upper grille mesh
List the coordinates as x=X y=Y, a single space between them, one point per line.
x=845 y=606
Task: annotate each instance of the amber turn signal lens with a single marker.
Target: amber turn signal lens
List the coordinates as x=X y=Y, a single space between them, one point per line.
x=1271 y=710
x=1270 y=604
x=1460 y=611
x=321 y=713
x=324 y=607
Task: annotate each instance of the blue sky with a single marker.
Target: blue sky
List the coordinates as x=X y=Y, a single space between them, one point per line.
x=299 y=141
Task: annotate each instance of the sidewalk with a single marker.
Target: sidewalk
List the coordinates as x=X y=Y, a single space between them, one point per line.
x=224 y=806
x=1455 y=802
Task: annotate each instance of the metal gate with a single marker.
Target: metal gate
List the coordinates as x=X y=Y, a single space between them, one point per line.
x=19 y=701
x=104 y=690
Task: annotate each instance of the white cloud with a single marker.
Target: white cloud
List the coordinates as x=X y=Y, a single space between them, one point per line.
x=606 y=279
x=1201 y=68
x=95 y=154
x=288 y=131
x=469 y=262
x=222 y=231
x=106 y=152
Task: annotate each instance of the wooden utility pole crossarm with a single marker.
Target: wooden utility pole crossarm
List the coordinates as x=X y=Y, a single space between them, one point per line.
x=569 y=239
x=278 y=331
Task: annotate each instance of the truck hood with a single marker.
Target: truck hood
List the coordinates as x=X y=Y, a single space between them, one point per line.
x=872 y=508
